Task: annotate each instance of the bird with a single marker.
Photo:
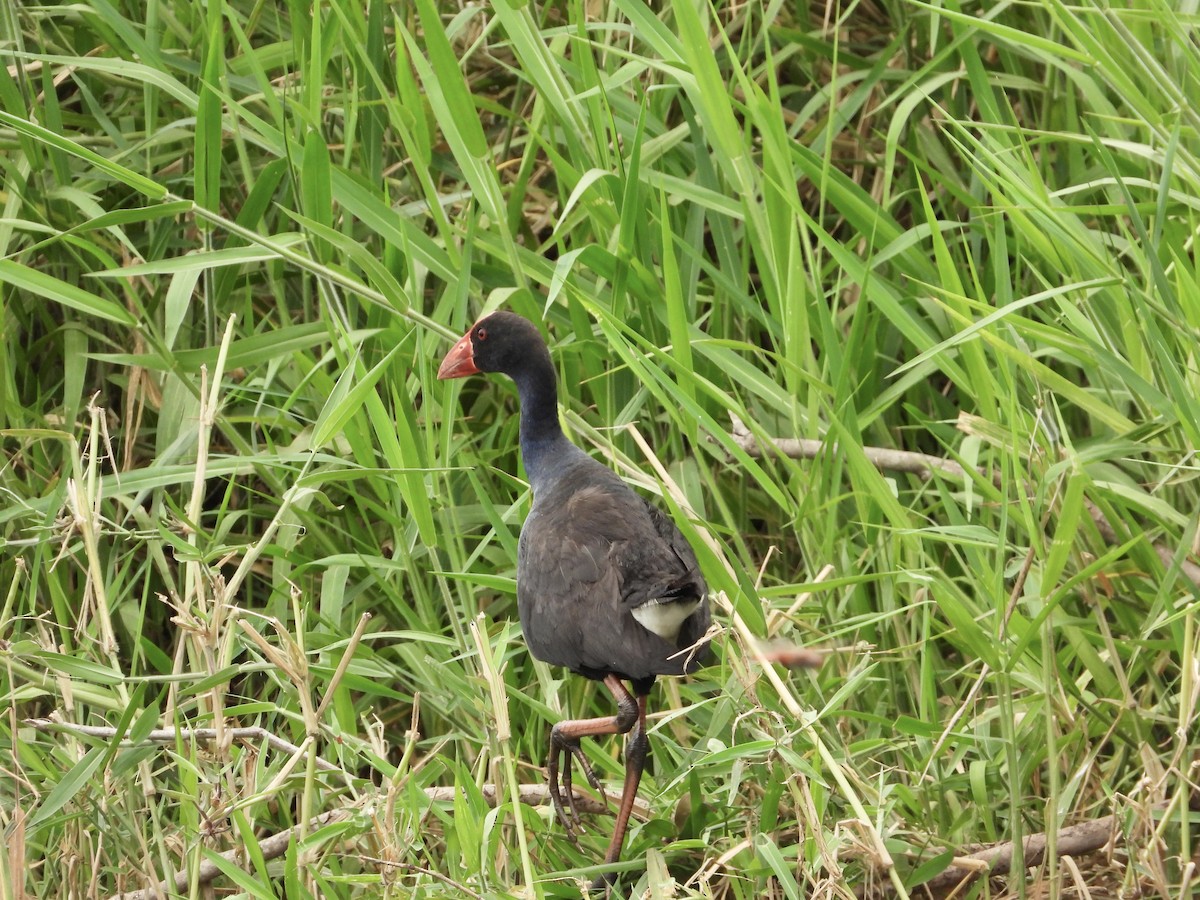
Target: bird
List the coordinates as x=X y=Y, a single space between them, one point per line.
x=607 y=587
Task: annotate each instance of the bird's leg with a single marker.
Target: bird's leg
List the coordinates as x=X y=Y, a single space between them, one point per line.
x=637 y=748
x=564 y=744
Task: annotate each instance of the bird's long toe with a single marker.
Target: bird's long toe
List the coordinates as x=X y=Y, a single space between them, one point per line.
x=559 y=776
x=568 y=787
x=554 y=784
x=588 y=772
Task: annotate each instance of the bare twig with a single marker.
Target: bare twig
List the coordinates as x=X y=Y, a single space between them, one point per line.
x=923 y=465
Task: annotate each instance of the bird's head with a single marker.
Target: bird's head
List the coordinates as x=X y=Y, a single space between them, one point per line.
x=502 y=342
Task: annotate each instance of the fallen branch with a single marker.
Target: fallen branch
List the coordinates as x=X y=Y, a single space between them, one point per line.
x=271 y=848
x=923 y=465
x=1074 y=840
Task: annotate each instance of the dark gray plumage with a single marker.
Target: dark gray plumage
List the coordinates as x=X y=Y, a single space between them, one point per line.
x=592 y=554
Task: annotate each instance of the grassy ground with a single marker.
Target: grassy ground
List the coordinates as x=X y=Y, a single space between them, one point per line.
x=235 y=238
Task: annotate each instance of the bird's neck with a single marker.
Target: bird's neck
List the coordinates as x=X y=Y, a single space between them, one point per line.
x=542 y=438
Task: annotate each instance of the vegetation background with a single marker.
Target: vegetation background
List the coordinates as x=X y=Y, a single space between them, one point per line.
x=235 y=240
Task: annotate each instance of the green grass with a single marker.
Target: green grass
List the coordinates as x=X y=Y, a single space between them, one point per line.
x=236 y=239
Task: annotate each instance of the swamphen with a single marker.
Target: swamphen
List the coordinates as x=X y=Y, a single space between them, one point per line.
x=606 y=584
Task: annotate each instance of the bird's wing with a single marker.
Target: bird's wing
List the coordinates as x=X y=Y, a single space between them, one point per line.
x=689 y=584
x=668 y=532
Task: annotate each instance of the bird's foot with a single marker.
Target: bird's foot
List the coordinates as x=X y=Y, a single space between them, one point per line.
x=564 y=748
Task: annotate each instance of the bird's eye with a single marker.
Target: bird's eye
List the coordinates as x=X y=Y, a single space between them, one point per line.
x=481 y=334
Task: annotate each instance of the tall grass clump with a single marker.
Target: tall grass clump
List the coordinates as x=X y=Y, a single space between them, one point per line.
x=257 y=565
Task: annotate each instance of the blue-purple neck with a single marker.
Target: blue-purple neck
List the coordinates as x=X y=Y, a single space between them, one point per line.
x=543 y=444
